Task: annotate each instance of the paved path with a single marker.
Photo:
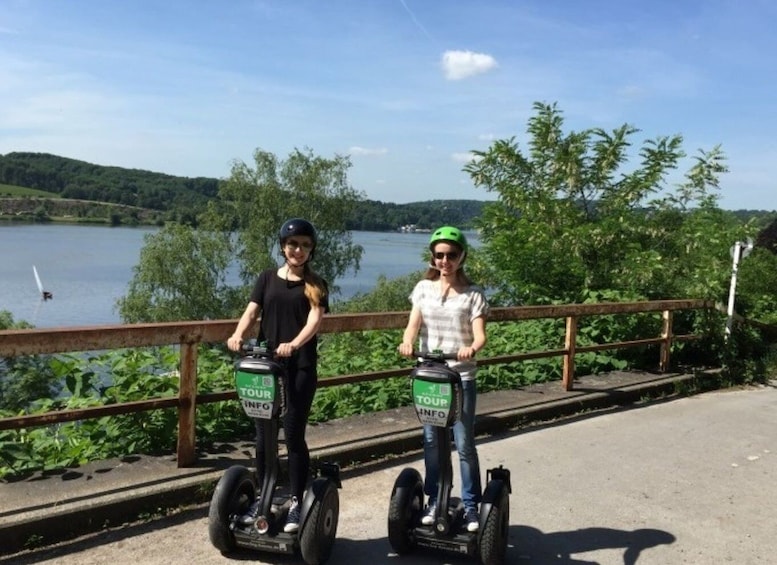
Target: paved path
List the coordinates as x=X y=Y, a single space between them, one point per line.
x=689 y=481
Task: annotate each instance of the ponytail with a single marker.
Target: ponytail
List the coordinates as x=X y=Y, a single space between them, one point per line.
x=315 y=288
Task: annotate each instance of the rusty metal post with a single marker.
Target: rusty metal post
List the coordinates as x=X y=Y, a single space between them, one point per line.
x=570 y=342
x=666 y=345
x=187 y=405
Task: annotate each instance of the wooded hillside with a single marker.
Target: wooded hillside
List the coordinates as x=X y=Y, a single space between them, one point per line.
x=70 y=178
x=182 y=198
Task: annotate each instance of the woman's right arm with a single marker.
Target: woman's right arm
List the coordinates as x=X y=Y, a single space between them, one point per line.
x=411 y=332
x=246 y=322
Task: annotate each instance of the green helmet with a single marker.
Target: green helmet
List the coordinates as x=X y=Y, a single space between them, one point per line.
x=449 y=234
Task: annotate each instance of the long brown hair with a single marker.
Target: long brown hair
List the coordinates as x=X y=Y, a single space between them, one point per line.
x=315 y=287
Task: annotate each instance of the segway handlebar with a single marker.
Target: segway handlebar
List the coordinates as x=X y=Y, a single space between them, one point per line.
x=435 y=355
x=253 y=348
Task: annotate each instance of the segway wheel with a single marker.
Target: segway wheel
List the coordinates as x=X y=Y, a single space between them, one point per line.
x=407 y=499
x=493 y=534
x=234 y=493
x=317 y=535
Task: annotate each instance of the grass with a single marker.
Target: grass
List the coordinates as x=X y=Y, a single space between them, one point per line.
x=7 y=190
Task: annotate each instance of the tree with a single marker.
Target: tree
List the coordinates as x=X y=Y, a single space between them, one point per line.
x=254 y=202
x=182 y=274
x=574 y=216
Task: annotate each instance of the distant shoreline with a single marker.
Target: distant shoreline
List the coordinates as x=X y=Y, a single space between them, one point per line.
x=41 y=210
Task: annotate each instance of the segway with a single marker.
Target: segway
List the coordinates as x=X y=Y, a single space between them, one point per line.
x=437 y=397
x=260 y=384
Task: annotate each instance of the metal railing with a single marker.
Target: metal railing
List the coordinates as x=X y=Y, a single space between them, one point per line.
x=189 y=335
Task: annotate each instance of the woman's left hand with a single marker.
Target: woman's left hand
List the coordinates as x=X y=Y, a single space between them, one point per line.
x=465 y=353
x=285 y=350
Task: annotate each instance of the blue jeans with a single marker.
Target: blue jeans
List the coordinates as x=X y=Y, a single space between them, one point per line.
x=464 y=436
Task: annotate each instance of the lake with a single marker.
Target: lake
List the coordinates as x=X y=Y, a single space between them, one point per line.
x=88 y=268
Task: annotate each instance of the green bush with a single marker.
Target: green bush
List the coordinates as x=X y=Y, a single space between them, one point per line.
x=111 y=378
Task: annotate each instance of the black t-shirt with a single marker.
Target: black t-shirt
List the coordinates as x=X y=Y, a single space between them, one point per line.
x=284 y=312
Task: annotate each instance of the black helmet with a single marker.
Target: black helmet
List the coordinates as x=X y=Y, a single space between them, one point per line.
x=297 y=226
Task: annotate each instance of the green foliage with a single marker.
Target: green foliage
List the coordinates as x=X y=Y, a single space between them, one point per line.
x=573 y=215
x=182 y=271
x=756 y=283
x=594 y=330
x=70 y=178
x=744 y=356
x=55 y=208
x=528 y=336
x=41 y=214
x=109 y=378
x=182 y=276
x=86 y=189
x=12 y=190
x=521 y=337
x=122 y=376
x=254 y=202
x=219 y=421
x=7 y=322
x=24 y=379
x=359 y=352
x=372 y=215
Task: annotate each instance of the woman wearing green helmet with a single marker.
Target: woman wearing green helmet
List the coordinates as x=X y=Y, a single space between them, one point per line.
x=449 y=314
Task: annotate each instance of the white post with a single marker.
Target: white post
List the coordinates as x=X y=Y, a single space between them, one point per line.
x=735 y=252
x=739 y=251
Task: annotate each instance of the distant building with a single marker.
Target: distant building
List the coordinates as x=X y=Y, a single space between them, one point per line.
x=412 y=228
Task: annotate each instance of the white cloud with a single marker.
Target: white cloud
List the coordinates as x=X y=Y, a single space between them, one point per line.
x=631 y=91
x=356 y=150
x=464 y=157
x=462 y=64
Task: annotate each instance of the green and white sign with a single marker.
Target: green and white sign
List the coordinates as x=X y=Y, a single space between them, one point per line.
x=256 y=393
x=432 y=401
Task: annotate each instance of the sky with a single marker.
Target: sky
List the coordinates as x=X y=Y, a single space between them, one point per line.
x=405 y=88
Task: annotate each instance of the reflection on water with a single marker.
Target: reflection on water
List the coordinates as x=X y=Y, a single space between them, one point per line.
x=88 y=268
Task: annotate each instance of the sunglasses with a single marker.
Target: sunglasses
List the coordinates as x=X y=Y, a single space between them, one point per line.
x=294 y=244
x=450 y=255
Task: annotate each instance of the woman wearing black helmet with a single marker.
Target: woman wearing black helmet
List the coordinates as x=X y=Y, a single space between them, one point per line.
x=291 y=301
x=449 y=315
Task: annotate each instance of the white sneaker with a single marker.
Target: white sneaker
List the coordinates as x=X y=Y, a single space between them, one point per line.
x=472 y=520
x=252 y=514
x=292 y=520
x=428 y=518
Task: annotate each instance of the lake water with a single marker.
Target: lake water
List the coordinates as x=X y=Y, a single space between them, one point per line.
x=88 y=268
